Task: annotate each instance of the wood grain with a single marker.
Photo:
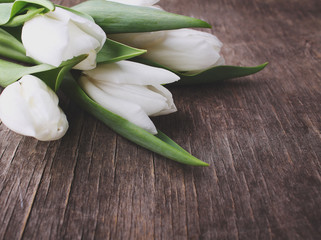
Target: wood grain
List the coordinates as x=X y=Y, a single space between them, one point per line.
x=260 y=134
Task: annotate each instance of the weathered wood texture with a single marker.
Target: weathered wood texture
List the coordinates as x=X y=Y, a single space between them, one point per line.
x=261 y=135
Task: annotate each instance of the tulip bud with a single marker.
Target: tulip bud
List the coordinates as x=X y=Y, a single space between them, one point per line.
x=29 y=107
x=184 y=50
x=131 y=90
x=61 y=35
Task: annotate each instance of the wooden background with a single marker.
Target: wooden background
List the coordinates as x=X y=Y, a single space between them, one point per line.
x=260 y=134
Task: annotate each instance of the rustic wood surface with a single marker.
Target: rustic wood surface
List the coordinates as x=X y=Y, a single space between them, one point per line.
x=260 y=134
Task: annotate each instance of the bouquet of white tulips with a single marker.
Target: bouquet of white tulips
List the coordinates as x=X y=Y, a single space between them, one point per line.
x=112 y=57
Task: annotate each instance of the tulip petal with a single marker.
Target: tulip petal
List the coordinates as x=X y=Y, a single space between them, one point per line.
x=87 y=26
x=10 y=114
x=128 y=110
x=89 y=62
x=131 y=72
x=170 y=106
x=45 y=39
x=85 y=43
x=151 y=102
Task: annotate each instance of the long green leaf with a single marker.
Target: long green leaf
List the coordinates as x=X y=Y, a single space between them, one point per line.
x=9 y=10
x=5 y=12
x=127 y=129
x=11 y=48
x=21 y=19
x=120 y=18
x=55 y=76
x=212 y=75
x=219 y=73
x=10 y=41
x=44 y=3
x=11 y=72
x=169 y=141
x=113 y=51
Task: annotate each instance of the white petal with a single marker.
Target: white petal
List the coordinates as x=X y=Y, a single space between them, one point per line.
x=132 y=73
x=150 y=101
x=81 y=43
x=170 y=106
x=128 y=110
x=14 y=112
x=85 y=37
x=87 y=26
x=45 y=39
x=89 y=63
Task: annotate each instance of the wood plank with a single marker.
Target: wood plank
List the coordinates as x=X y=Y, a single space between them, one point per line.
x=260 y=134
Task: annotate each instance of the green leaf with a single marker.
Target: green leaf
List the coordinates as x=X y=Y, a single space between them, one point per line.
x=11 y=72
x=169 y=141
x=11 y=48
x=212 y=75
x=113 y=51
x=120 y=18
x=5 y=12
x=160 y=144
x=14 y=32
x=10 y=41
x=41 y=3
x=219 y=73
x=21 y=19
x=10 y=10
x=53 y=76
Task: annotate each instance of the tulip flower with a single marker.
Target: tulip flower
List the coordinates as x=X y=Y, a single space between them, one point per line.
x=61 y=35
x=184 y=50
x=131 y=90
x=29 y=107
x=145 y=3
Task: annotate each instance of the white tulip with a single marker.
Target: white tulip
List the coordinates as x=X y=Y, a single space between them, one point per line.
x=145 y=3
x=29 y=107
x=61 y=35
x=184 y=50
x=131 y=90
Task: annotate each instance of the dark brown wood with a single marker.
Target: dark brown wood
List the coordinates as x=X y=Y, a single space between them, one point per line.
x=260 y=134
